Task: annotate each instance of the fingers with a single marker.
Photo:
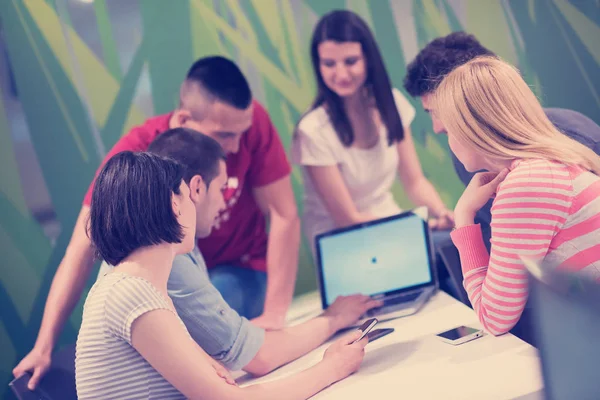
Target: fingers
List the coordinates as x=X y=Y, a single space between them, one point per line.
x=224 y=373
x=342 y=298
x=444 y=221
x=448 y=222
x=483 y=178
x=353 y=299
x=367 y=301
x=35 y=378
x=351 y=337
x=18 y=371
x=376 y=303
x=434 y=223
x=487 y=177
x=358 y=302
x=493 y=183
x=502 y=174
x=371 y=303
x=362 y=343
x=228 y=378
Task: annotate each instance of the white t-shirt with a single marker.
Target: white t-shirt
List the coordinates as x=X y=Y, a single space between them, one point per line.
x=367 y=173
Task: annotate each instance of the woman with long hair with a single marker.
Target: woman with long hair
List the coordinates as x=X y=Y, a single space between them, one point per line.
x=356 y=137
x=132 y=343
x=546 y=187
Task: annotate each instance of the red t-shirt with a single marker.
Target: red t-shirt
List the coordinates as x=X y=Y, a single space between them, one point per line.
x=239 y=236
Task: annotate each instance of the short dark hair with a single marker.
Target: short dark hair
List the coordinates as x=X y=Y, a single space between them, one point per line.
x=132 y=205
x=196 y=152
x=346 y=26
x=221 y=78
x=440 y=57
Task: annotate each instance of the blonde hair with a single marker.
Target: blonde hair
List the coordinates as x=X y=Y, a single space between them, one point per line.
x=486 y=105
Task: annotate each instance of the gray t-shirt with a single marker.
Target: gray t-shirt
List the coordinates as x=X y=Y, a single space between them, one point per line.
x=212 y=323
x=106 y=364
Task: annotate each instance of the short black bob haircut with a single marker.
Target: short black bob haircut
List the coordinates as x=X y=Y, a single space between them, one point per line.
x=132 y=205
x=440 y=57
x=196 y=152
x=345 y=26
x=221 y=78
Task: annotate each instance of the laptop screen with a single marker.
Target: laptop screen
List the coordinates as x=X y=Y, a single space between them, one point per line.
x=381 y=257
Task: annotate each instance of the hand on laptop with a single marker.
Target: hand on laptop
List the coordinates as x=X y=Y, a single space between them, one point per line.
x=346 y=310
x=442 y=222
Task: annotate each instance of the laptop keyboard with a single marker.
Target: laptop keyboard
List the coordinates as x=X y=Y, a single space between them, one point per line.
x=391 y=304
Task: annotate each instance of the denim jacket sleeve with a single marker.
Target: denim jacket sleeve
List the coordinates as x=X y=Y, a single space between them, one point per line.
x=216 y=327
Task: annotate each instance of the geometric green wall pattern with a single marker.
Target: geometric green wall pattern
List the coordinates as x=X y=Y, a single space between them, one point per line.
x=78 y=99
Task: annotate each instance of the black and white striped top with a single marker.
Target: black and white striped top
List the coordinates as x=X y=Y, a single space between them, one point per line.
x=106 y=365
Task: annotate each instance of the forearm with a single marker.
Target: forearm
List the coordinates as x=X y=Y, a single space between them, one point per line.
x=498 y=295
x=67 y=285
x=298 y=386
x=65 y=291
x=497 y=300
x=423 y=193
x=281 y=347
x=282 y=263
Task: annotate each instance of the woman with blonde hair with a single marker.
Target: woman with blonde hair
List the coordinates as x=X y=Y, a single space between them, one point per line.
x=546 y=188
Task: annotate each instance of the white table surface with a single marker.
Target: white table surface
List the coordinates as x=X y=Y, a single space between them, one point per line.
x=411 y=363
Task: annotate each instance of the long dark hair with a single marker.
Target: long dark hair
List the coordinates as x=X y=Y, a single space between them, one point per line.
x=345 y=26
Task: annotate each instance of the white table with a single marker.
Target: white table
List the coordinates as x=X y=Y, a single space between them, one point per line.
x=411 y=363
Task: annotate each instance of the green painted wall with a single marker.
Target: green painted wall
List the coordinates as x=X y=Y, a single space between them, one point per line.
x=79 y=88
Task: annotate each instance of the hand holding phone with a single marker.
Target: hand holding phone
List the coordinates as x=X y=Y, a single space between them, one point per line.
x=344 y=356
x=460 y=335
x=22 y=392
x=366 y=328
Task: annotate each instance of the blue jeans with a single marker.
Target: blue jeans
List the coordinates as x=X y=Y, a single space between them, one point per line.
x=242 y=288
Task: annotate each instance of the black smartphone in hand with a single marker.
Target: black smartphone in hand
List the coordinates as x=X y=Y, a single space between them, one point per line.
x=366 y=328
x=379 y=333
x=22 y=392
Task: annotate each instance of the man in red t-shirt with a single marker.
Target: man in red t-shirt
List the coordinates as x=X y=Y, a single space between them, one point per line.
x=215 y=99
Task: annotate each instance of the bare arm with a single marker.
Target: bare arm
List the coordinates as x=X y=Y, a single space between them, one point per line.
x=172 y=352
x=333 y=192
x=281 y=347
x=68 y=282
x=65 y=292
x=418 y=188
x=277 y=201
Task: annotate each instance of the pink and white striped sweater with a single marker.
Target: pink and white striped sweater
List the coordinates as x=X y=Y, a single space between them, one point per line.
x=542 y=210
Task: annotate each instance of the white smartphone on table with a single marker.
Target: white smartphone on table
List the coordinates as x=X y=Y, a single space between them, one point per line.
x=460 y=335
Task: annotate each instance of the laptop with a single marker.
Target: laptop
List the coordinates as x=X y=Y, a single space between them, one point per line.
x=389 y=259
